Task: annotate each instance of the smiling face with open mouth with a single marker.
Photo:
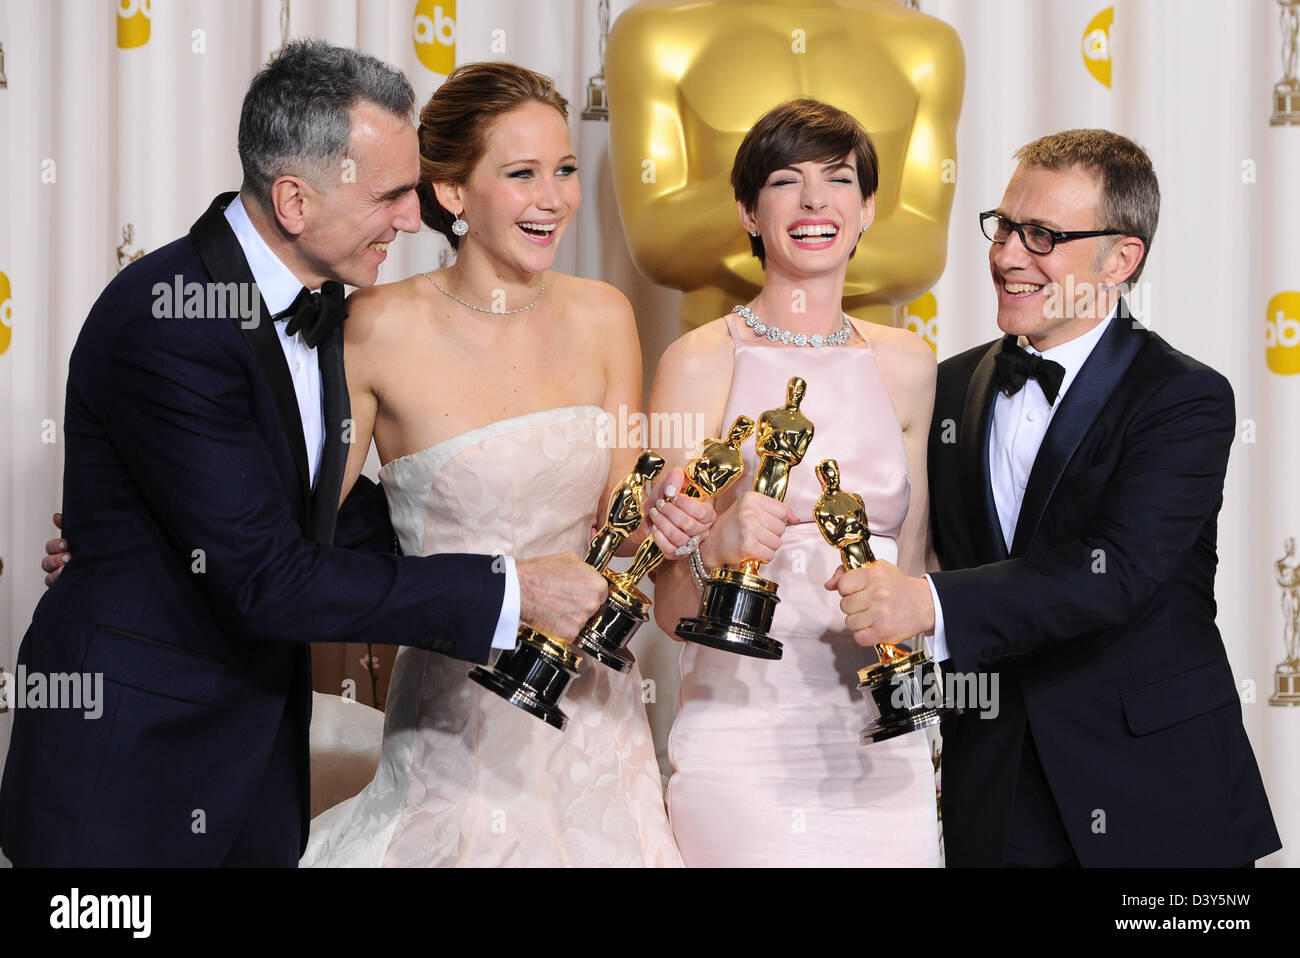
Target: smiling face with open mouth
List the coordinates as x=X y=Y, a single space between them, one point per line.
x=1038 y=292
x=810 y=216
x=351 y=222
x=524 y=191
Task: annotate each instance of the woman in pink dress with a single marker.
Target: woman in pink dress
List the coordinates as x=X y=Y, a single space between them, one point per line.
x=767 y=767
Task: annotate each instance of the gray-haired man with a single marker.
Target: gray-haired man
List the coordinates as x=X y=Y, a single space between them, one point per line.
x=206 y=425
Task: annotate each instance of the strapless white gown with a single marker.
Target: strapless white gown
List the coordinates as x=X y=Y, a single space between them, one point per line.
x=466 y=778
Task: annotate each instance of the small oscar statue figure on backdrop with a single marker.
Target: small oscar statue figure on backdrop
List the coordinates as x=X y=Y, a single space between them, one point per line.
x=1286 y=680
x=895 y=688
x=597 y=102
x=737 y=606
x=534 y=674
x=1286 y=92
x=607 y=633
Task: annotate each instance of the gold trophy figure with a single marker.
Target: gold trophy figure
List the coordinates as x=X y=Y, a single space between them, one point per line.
x=1286 y=92
x=607 y=633
x=1286 y=679
x=895 y=688
x=686 y=80
x=737 y=606
x=534 y=674
x=626 y=510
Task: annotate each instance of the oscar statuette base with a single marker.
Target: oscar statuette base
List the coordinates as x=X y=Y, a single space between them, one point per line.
x=1286 y=685
x=533 y=675
x=607 y=633
x=903 y=695
x=735 y=615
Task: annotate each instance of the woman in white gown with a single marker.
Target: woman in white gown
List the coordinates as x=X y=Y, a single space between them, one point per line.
x=483 y=385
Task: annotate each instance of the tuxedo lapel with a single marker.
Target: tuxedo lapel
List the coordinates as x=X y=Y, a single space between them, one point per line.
x=977 y=485
x=337 y=409
x=1083 y=402
x=224 y=260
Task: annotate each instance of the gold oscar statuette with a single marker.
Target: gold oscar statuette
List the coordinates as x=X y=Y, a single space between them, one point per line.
x=686 y=81
x=1286 y=92
x=534 y=674
x=597 y=105
x=1286 y=678
x=737 y=606
x=900 y=690
x=607 y=633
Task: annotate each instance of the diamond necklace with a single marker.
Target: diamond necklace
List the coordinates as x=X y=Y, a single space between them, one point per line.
x=480 y=309
x=778 y=335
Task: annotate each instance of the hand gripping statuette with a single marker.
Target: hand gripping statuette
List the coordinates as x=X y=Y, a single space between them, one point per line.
x=607 y=633
x=534 y=674
x=900 y=690
x=737 y=606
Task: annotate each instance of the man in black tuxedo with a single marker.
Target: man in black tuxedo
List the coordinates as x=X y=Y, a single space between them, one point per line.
x=206 y=429
x=1076 y=469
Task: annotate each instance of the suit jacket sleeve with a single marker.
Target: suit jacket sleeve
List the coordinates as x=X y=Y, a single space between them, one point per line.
x=363 y=522
x=177 y=404
x=1163 y=486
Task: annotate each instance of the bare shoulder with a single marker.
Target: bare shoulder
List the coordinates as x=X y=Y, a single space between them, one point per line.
x=596 y=305
x=380 y=315
x=904 y=354
x=694 y=375
x=908 y=366
x=703 y=350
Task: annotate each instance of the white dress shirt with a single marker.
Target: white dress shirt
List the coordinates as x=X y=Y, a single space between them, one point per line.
x=279 y=288
x=1019 y=424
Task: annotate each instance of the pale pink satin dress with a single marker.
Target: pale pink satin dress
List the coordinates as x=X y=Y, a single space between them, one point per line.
x=767 y=768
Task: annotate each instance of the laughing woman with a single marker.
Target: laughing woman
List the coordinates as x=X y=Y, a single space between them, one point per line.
x=482 y=385
x=767 y=769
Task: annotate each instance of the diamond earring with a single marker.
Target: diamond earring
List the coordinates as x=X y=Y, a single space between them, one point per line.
x=459 y=226
x=754 y=233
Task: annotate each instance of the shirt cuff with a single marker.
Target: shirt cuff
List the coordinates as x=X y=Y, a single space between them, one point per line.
x=508 y=624
x=936 y=643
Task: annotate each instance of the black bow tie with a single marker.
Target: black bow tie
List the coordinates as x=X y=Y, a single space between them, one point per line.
x=315 y=315
x=1015 y=366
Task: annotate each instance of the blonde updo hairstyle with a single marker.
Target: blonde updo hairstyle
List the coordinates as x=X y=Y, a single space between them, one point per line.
x=454 y=126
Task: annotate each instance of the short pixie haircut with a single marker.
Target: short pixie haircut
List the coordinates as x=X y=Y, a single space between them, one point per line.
x=800 y=131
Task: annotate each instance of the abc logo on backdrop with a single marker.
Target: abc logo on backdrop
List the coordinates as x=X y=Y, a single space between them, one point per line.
x=133 y=22
x=6 y=313
x=1096 y=46
x=434 y=33
x=1282 y=333
x=921 y=316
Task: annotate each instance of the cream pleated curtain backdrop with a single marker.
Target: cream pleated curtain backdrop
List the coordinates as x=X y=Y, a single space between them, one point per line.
x=116 y=116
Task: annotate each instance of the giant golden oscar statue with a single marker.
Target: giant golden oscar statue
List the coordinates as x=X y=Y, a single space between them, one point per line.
x=686 y=80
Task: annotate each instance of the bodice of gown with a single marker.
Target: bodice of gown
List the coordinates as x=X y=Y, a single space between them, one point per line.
x=768 y=770
x=854 y=423
x=527 y=486
x=464 y=777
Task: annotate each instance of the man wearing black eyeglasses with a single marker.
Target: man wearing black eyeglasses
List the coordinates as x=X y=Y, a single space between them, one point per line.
x=1076 y=469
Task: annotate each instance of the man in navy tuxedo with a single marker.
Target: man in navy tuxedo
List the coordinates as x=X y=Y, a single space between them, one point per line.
x=1076 y=469
x=206 y=429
